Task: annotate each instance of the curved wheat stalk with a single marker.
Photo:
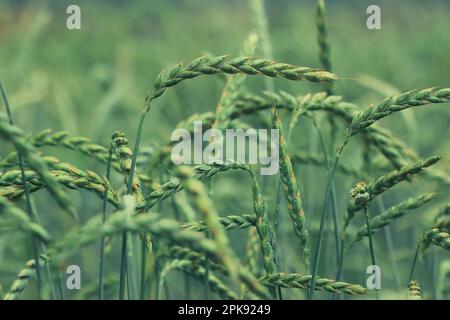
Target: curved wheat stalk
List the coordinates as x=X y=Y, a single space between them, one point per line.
x=23 y=278
x=302 y=281
x=21 y=221
x=16 y=136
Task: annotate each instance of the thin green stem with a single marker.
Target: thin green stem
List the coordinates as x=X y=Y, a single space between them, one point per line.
x=413 y=266
x=390 y=245
x=47 y=265
x=323 y=217
x=30 y=209
x=206 y=277
x=60 y=288
x=143 y=265
x=206 y=266
x=187 y=283
x=157 y=270
x=102 y=241
x=123 y=263
x=320 y=238
x=259 y=10
x=333 y=198
x=341 y=261
x=369 y=231
x=369 y=235
x=124 y=255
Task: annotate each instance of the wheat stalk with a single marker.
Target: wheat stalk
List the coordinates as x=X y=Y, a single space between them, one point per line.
x=438 y=237
x=396 y=151
x=414 y=291
x=253 y=245
x=383 y=219
x=30 y=208
x=394 y=104
x=22 y=221
x=172 y=186
x=207 y=210
x=76 y=143
x=167 y=229
x=301 y=281
x=391 y=147
x=247 y=104
x=442 y=220
x=292 y=192
x=221 y=65
x=11 y=185
x=79 y=144
x=28 y=151
x=126 y=159
x=231 y=222
x=232 y=88
x=23 y=278
x=303 y=158
x=261 y=220
x=104 y=207
x=250 y=103
x=324 y=47
x=263 y=227
x=215 y=284
x=387 y=181
x=181 y=253
x=240 y=65
x=324 y=52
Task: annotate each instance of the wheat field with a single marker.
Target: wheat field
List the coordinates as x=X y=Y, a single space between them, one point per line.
x=93 y=205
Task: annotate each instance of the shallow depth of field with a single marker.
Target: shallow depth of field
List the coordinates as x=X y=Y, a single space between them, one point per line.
x=93 y=82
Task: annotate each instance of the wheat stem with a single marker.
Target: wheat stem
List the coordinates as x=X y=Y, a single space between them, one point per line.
x=32 y=214
x=101 y=291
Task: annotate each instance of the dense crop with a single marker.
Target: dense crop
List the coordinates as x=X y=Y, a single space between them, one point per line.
x=219 y=228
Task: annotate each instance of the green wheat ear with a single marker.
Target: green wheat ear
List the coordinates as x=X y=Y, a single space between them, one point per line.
x=383 y=219
x=414 y=291
x=207 y=210
x=23 y=278
x=240 y=65
x=16 y=136
x=294 y=280
x=292 y=192
x=21 y=221
x=65 y=174
x=198 y=272
x=391 y=105
x=389 y=180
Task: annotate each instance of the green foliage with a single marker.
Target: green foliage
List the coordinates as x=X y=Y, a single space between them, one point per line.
x=220 y=223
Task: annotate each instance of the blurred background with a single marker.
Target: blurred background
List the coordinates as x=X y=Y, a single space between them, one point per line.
x=93 y=81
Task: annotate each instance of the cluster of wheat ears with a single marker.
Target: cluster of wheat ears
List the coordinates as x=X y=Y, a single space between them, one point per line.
x=198 y=245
